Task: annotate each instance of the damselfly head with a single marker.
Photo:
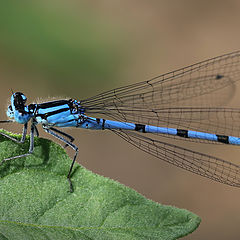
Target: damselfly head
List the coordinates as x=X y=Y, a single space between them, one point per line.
x=18 y=110
x=18 y=101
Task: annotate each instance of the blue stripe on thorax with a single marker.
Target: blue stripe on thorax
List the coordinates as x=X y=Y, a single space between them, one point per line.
x=53 y=112
x=41 y=111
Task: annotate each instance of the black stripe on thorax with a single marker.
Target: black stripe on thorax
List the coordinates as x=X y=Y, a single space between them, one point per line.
x=223 y=139
x=182 y=133
x=140 y=127
x=53 y=104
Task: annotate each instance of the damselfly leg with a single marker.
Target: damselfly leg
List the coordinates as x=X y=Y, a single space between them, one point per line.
x=74 y=147
x=24 y=132
x=31 y=147
x=71 y=139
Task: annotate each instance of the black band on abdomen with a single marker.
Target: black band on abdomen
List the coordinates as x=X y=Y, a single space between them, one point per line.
x=140 y=127
x=103 y=124
x=223 y=139
x=182 y=133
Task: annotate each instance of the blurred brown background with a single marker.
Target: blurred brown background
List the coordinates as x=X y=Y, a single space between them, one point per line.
x=79 y=48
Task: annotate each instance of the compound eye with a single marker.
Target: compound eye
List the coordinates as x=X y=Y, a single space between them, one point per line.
x=19 y=100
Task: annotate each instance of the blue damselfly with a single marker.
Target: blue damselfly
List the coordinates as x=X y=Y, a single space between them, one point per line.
x=183 y=104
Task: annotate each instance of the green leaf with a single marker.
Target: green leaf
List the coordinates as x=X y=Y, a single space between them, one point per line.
x=36 y=203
